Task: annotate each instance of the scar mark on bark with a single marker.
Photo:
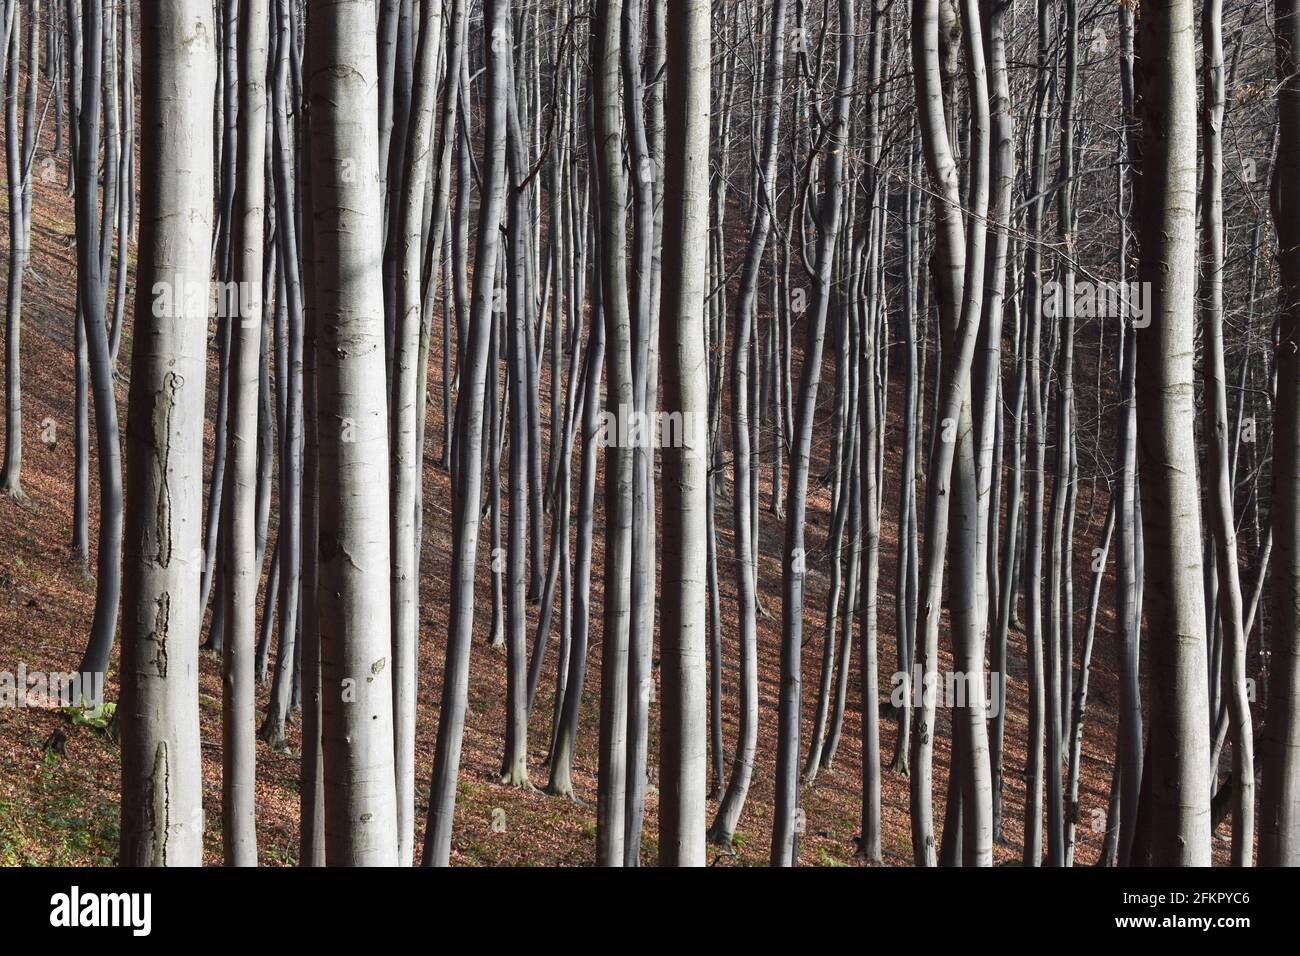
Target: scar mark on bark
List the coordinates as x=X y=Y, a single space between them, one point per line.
x=161 y=621
x=163 y=406
x=158 y=806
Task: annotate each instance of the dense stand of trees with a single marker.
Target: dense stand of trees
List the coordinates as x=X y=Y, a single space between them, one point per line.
x=1013 y=284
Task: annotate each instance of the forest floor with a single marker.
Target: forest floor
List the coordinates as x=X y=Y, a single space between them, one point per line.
x=62 y=809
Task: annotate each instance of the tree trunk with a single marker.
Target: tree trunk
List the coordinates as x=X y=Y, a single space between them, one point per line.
x=787 y=819
x=611 y=809
x=162 y=811
x=682 y=747
x=355 y=625
x=467 y=461
x=1179 y=755
x=1279 y=797
x=242 y=574
x=407 y=468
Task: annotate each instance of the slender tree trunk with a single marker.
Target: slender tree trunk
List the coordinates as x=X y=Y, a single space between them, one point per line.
x=1033 y=570
x=1128 y=558
x=20 y=151
x=1216 y=433
x=958 y=283
x=1279 y=797
x=92 y=289
x=787 y=819
x=242 y=574
x=611 y=809
x=742 y=768
x=469 y=438
x=407 y=470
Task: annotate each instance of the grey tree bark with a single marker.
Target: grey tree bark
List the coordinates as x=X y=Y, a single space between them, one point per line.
x=611 y=809
x=405 y=403
x=162 y=810
x=1279 y=797
x=467 y=460
x=742 y=768
x=20 y=152
x=242 y=574
x=683 y=744
x=786 y=822
x=92 y=292
x=1222 y=519
x=355 y=623
x=1178 y=760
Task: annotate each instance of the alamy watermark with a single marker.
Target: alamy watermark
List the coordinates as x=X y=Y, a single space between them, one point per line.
x=133 y=911
x=1099 y=300
x=628 y=427
x=958 y=689
x=177 y=296
x=39 y=689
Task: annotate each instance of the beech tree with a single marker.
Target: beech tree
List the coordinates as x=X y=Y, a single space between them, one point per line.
x=690 y=295
x=1279 y=796
x=1177 y=808
x=468 y=457
x=162 y=809
x=355 y=626
x=682 y=763
x=20 y=153
x=612 y=795
x=241 y=573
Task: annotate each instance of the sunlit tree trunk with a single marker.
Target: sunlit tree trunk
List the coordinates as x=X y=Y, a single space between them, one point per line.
x=1174 y=588
x=355 y=624
x=242 y=575
x=162 y=810
x=682 y=747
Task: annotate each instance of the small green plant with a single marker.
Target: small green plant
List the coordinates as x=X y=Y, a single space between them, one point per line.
x=98 y=717
x=827 y=860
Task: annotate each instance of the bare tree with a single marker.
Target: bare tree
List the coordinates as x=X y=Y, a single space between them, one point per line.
x=355 y=624
x=162 y=810
x=1178 y=764
x=612 y=794
x=467 y=460
x=742 y=768
x=1279 y=796
x=241 y=573
x=405 y=403
x=682 y=749
x=20 y=153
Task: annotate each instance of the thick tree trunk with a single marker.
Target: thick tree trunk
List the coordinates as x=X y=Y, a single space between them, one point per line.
x=162 y=811
x=1179 y=756
x=682 y=747
x=355 y=625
